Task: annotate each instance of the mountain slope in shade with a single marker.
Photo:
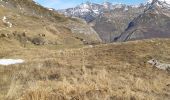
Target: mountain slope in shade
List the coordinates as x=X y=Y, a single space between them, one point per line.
x=153 y=23
x=113 y=22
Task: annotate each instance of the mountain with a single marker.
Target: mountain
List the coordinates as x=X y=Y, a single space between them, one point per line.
x=107 y=20
x=113 y=22
x=88 y=11
x=154 y=22
x=28 y=23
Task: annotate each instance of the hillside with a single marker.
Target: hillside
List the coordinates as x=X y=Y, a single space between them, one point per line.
x=31 y=24
x=112 y=71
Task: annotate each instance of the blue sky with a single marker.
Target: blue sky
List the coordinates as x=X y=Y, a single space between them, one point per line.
x=62 y=4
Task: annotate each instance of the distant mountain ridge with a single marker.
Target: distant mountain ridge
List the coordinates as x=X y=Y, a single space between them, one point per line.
x=154 y=22
x=116 y=22
x=89 y=11
x=107 y=19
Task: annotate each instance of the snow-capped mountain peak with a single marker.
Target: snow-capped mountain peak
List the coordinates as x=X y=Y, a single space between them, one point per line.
x=107 y=5
x=165 y=4
x=86 y=5
x=165 y=1
x=89 y=11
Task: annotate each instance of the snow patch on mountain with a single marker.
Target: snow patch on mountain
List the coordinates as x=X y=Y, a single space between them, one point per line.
x=89 y=11
x=165 y=4
x=166 y=1
x=85 y=6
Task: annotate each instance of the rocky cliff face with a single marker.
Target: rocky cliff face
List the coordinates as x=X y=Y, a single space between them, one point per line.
x=154 y=22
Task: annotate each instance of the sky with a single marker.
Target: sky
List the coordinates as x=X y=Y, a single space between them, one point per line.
x=63 y=4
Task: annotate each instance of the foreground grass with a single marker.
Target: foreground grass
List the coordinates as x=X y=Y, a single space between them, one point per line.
x=105 y=72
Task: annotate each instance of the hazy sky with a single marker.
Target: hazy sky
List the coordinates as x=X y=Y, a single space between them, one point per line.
x=62 y=4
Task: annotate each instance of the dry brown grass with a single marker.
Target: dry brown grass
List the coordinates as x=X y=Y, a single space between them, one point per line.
x=105 y=72
x=65 y=70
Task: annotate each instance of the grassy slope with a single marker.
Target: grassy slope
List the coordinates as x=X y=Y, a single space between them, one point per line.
x=34 y=20
x=112 y=71
x=34 y=25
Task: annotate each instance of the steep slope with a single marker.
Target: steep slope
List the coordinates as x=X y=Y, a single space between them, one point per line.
x=108 y=20
x=30 y=23
x=153 y=23
x=113 y=22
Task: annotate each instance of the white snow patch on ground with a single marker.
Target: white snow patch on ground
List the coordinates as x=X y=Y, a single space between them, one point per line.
x=10 y=61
